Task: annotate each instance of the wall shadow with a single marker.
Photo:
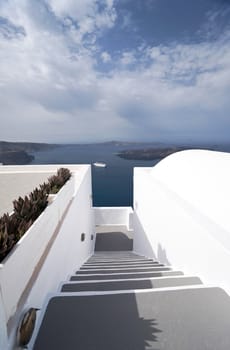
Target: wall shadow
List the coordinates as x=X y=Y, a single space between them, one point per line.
x=162 y=255
x=142 y=244
x=113 y=241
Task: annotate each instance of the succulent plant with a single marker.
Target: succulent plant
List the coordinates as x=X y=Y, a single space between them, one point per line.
x=45 y=187
x=3 y=240
x=64 y=174
x=7 y=240
x=57 y=181
x=18 y=204
x=27 y=210
x=23 y=227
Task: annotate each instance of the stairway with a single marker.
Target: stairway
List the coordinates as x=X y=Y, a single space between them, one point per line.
x=119 y=300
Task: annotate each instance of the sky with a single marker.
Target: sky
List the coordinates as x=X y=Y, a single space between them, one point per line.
x=98 y=70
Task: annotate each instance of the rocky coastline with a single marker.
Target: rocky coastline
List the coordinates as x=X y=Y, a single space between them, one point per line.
x=149 y=153
x=18 y=153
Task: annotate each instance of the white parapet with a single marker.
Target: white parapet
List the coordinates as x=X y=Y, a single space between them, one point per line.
x=3 y=328
x=68 y=252
x=181 y=213
x=113 y=216
x=17 y=269
x=50 y=249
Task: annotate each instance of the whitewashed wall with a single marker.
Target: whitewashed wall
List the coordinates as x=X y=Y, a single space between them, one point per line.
x=181 y=217
x=3 y=329
x=113 y=216
x=18 y=267
x=68 y=252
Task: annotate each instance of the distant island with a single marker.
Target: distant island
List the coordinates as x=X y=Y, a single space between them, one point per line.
x=15 y=158
x=17 y=153
x=149 y=153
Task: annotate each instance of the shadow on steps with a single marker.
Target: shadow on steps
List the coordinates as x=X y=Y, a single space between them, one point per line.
x=103 y=322
x=113 y=241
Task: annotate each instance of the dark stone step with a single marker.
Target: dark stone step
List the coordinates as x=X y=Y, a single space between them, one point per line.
x=126 y=285
x=97 y=267
x=187 y=319
x=113 y=241
x=111 y=255
x=118 y=261
x=125 y=276
x=117 y=254
x=141 y=263
x=133 y=270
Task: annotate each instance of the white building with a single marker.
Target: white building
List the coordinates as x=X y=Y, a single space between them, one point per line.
x=172 y=291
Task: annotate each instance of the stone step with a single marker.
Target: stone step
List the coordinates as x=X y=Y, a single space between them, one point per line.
x=125 y=275
x=177 y=319
x=109 y=267
x=127 y=270
x=161 y=282
x=118 y=261
x=116 y=253
x=144 y=263
x=111 y=241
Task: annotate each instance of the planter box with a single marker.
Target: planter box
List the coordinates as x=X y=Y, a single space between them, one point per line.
x=18 y=267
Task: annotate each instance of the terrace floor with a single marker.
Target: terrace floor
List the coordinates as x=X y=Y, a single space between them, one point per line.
x=14 y=184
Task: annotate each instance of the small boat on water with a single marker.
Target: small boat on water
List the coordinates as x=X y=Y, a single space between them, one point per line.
x=100 y=164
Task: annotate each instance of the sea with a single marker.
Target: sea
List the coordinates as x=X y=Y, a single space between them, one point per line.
x=112 y=185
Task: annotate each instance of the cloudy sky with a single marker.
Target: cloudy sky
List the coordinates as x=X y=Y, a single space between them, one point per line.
x=97 y=70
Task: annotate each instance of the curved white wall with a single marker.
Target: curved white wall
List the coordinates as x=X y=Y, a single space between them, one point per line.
x=202 y=178
x=182 y=208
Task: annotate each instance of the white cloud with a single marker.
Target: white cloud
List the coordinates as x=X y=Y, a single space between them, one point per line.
x=76 y=9
x=51 y=91
x=127 y=58
x=86 y=15
x=105 y=56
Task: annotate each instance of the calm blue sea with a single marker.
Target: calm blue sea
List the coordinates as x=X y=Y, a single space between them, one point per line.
x=113 y=185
